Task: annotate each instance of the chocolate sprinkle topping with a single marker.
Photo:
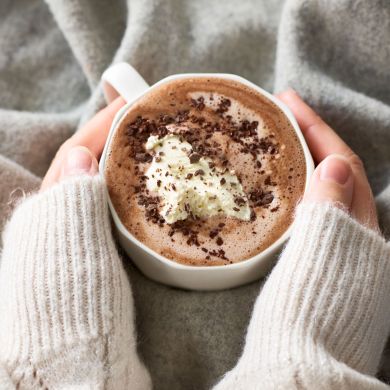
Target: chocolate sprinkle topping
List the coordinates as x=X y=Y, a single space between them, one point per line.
x=223 y=106
x=194 y=157
x=213 y=233
x=239 y=200
x=243 y=133
x=199 y=172
x=260 y=198
x=198 y=103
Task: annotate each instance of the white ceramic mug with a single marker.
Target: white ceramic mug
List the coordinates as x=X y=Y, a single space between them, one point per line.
x=122 y=79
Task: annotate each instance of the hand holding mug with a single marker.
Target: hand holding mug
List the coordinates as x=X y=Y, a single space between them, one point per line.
x=81 y=152
x=339 y=178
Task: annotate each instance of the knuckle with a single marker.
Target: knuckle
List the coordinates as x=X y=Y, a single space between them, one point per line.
x=317 y=125
x=355 y=161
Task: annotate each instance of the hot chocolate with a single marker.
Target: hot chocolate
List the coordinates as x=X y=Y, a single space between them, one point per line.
x=205 y=171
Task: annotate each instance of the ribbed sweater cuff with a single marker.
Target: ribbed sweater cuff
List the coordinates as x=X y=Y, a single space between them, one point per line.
x=324 y=306
x=61 y=280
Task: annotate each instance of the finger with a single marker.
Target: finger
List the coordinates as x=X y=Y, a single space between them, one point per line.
x=323 y=142
x=93 y=136
x=321 y=138
x=53 y=173
x=79 y=161
x=332 y=181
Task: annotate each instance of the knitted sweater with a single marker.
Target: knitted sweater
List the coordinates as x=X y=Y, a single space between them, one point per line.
x=67 y=318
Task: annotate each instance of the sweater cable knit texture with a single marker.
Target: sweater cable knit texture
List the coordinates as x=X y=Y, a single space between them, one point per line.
x=321 y=318
x=66 y=304
x=67 y=312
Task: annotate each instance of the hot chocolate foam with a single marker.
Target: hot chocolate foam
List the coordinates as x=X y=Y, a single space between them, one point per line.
x=236 y=130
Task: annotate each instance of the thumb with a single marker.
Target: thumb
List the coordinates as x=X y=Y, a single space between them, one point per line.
x=79 y=161
x=332 y=181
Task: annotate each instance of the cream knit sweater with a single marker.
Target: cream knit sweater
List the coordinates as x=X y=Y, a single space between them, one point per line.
x=67 y=319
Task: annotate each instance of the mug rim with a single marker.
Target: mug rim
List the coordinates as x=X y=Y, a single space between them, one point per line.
x=120 y=115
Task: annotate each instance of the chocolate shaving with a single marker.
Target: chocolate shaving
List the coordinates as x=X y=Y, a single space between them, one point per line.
x=199 y=172
x=239 y=200
x=253 y=215
x=197 y=129
x=213 y=233
x=198 y=103
x=267 y=198
x=218 y=253
x=194 y=157
x=260 y=198
x=182 y=116
x=185 y=228
x=223 y=106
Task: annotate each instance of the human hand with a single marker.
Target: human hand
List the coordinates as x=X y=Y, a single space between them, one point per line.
x=80 y=153
x=339 y=177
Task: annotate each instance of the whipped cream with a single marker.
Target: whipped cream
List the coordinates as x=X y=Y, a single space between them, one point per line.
x=190 y=185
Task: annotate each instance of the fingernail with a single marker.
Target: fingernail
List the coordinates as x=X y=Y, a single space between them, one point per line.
x=78 y=161
x=335 y=169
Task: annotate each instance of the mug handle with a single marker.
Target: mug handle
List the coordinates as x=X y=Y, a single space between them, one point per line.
x=122 y=79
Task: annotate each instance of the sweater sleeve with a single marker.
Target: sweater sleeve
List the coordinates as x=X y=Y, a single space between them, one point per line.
x=66 y=309
x=5 y=380
x=322 y=318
